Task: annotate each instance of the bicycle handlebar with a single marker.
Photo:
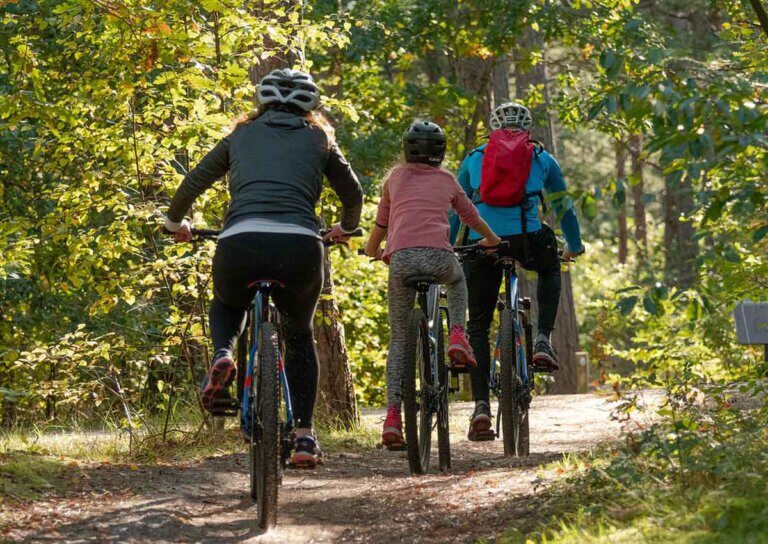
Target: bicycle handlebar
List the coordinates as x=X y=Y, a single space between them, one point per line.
x=477 y=249
x=212 y=233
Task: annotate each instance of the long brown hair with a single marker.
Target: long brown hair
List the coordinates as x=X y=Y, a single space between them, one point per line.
x=316 y=118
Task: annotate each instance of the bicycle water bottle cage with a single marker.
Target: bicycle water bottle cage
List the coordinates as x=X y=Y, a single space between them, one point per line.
x=420 y=282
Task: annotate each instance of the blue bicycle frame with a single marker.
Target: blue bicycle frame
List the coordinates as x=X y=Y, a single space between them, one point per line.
x=513 y=300
x=258 y=314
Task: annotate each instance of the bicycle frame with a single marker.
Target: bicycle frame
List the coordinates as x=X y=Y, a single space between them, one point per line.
x=429 y=302
x=262 y=311
x=512 y=300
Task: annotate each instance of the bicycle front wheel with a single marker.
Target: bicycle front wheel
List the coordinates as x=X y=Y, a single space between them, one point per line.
x=417 y=381
x=514 y=418
x=265 y=427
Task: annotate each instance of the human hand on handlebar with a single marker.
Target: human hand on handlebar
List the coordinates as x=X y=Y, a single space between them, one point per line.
x=182 y=232
x=568 y=255
x=374 y=252
x=490 y=242
x=337 y=234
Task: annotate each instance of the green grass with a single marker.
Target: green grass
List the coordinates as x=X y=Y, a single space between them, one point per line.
x=704 y=483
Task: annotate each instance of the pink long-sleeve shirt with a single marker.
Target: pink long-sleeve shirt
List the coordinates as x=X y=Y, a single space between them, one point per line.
x=414 y=207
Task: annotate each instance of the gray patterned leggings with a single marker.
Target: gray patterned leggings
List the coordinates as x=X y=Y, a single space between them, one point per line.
x=444 y=265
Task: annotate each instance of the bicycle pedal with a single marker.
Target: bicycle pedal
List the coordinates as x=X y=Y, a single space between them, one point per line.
x=399 y=446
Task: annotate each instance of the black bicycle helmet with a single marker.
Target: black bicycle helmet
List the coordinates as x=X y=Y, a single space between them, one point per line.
x=424 y=142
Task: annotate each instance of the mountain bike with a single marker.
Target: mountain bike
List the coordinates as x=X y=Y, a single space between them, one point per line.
x=425 y=377
x=263 y=395
x=511 y=375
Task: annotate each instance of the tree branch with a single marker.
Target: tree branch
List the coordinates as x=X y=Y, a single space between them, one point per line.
x=762 y=16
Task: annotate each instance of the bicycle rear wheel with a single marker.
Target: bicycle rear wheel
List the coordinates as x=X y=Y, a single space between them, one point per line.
x=514 y=418
x=417 y=379
x=443 y=432
x=265 y=425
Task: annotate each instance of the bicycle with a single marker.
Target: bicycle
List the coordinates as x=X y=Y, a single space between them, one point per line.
x=263 y=396
x=511 y=375
x=425 y=381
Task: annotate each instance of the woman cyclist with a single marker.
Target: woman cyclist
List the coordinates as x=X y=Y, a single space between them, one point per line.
x=531 y=242
x=276 y=159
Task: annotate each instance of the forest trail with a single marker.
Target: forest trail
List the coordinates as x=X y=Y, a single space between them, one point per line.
x=356 y=497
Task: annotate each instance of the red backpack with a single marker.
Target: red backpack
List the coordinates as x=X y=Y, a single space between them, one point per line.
x=506 y=165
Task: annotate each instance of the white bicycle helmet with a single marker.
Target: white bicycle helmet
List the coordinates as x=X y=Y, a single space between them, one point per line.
x=511 y=114
x=288 y=86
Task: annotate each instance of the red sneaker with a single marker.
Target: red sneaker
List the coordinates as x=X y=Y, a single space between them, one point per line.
x=392 y=434
x=460 y=352
x=214 y=391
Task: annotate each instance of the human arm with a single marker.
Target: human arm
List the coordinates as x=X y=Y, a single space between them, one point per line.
x=555 y=185
x=373 y=246
x=469 y=215
x=345 y=184
x=212 y=167
x=379 y=232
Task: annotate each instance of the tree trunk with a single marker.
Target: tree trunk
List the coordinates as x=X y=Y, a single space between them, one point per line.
x=688 y=245
x=680 y=245
x=336 y=397
x=638 y=206
x=284 y=57
x=671 y=231
x=565 y=337
x=621 y=174
x=475 y=77
x=500 y=81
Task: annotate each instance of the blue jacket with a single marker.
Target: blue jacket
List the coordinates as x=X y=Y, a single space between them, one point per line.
x=545 y=175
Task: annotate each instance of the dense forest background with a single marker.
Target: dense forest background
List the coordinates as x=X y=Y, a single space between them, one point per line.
x=656 y=110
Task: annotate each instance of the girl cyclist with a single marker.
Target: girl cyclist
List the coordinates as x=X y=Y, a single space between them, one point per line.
x=531 y=242
x=276 y=159
x=413 y=216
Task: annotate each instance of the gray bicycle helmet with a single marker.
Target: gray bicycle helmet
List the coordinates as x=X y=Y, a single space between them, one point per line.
x=289 y=86
x=511 y=115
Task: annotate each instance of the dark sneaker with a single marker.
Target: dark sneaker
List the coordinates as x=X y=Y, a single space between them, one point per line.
x=214 y=392
x=306 y=453
x=480 y=423
x=392 y=433
x=544 y=357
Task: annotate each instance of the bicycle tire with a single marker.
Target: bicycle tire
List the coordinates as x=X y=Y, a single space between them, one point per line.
x=508 y=377
x=417 y=418
x=443 y=428
x=265 y=425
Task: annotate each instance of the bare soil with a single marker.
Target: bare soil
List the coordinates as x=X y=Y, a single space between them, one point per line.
x=357 y=496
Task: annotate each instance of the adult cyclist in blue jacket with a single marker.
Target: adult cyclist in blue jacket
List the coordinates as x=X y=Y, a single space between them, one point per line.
x=536 y=250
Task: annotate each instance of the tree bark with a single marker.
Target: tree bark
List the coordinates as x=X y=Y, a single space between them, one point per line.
x=621 y=174
x=336 y=393
x=638 y=206
x=500 y=77
x=565 y=337
x=475 y=77
x=671 y=231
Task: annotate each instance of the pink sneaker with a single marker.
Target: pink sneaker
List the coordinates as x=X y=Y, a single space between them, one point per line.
x=392 y=434
x=460 y=352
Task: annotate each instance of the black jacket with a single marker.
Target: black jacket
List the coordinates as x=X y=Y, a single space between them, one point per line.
x=276 y=165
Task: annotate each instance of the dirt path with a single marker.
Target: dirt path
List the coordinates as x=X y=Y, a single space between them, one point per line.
x=360 y=497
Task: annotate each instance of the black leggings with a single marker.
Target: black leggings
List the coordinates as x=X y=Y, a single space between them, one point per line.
x=483 y=283
x=296 y=261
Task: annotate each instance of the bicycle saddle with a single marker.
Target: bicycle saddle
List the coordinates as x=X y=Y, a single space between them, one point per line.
x=415 y=281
